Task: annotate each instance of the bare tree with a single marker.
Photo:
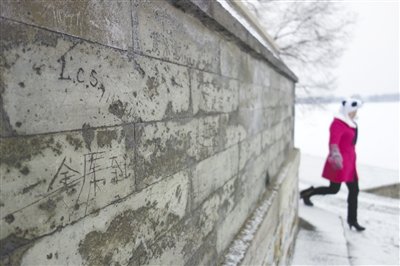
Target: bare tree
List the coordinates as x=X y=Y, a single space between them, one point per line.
x=311 y=36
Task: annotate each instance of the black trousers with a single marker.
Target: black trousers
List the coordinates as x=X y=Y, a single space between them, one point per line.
x=352 y=201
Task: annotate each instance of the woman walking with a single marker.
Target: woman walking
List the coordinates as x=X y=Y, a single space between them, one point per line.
x=340 y=166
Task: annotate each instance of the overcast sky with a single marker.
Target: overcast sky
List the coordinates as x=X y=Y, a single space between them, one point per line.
x=370 y=64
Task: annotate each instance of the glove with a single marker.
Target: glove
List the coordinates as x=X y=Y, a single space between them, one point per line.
x=335 y=158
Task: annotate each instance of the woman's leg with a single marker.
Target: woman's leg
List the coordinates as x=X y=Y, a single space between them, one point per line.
x=332 y=189
x=352 y=201
x=306 y=194
x=352 y=205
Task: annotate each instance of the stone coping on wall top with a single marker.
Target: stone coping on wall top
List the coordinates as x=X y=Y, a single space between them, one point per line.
x=214 y=15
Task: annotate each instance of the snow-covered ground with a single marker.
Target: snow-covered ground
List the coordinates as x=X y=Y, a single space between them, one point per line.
x=324 y=237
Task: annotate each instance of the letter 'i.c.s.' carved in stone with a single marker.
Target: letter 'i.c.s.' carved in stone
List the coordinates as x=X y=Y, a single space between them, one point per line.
x=62 y=61
x=92 y=75
x=80 y=70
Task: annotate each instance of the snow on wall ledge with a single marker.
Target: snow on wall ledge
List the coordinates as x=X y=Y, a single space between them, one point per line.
x=136 y=132
x=263 y=240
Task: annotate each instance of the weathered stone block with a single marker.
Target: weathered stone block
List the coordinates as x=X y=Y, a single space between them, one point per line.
x=232 y=130
x=284 y=97
x=62 y=177
x=287 y=96
x=273 y=168
x=213 y=172
x=211 y=135
x=231 y=59
x=163 y=148
x=163 y=31
x=253 y=179
x=250 y=149
x=250 y=96
x=216 y=209
x=207 y=253
x=245 y=197
x=266 y=139
x=271 y=242
x=161 y=92
x=194 y=240
x=118 y=234
x=216 y=133
x=231 y=224
x=268 y=117
x=213 y=94
x=62 y=84
x=255 y=71
x=288 y=86
x=288 y=192
x=277 y=131
x=264 y=239
x=274 y=116
x=275 y=80
x=269 y=100
x=261 y=72
x=251 y=121
x=84 y=19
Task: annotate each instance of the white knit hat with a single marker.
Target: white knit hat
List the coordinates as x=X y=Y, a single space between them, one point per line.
x=349 y=105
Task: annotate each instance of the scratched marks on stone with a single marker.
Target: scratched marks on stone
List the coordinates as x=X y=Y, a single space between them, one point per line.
x=98 y=171
x=84 y=76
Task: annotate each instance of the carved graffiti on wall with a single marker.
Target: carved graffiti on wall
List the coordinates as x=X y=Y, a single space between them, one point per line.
x=82 y=75
x=99 y=171
x=84 y=181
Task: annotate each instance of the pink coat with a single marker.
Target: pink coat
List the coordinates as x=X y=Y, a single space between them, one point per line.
x=342 y=135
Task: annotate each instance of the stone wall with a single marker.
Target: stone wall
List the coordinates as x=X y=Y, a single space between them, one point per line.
x=139 y=132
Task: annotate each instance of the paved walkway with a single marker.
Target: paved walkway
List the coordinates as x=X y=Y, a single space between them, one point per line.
x=325 y=239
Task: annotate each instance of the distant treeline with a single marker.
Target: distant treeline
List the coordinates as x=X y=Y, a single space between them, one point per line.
x=395 y=97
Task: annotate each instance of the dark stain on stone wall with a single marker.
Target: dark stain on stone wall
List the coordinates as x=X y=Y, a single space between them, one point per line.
x=166 y=158
x=12 y=35
x=9 y=218
x=12 y=249
x=24 y=170
x=104 y=138
x=88 y=135
x=15 y=151
x=5 y=126
x=117 y=108
x=206 y=254
x=75 y=142
x=129 y=227
x=49 y=205
x=139 y=256
x=152 y=87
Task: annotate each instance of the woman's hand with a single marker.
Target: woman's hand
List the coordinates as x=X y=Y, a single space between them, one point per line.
x=335 y=158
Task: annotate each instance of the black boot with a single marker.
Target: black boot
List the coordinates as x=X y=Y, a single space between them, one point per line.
x=306 y=194
x=356 y=226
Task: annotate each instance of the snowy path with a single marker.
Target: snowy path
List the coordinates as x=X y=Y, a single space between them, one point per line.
x=324 y=237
